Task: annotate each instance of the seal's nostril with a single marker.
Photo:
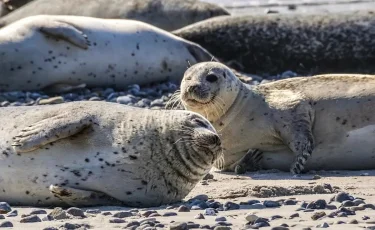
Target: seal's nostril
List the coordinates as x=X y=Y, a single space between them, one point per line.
x=217 y=140
x=211 y=78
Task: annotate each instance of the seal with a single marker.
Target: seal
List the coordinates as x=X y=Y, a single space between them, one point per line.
x=165 y=14
x=41 y=51
x=98 y=153
x=330 y=117
x=308 y=44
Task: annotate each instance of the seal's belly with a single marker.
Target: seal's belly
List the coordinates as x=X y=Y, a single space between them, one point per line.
x=355 y=151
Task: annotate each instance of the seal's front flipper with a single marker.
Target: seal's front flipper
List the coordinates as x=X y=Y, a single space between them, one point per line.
x=250 y=162
x=66 y=32
x=78 y=197
x=50 y=129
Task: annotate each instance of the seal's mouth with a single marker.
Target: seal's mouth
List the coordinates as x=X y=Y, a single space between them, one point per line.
x=198 y=96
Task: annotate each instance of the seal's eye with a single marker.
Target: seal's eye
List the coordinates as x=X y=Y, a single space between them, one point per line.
x=211 y=78
x=201 y=123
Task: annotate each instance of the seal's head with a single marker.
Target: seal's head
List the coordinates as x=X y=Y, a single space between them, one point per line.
x=210 y=89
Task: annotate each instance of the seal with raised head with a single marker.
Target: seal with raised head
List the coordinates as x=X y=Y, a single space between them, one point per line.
x=307 y=44
x=41 y=51
x=165 y=14
x=330 y=117
x=98 y=153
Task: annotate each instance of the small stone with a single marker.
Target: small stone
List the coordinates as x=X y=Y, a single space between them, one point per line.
x=116 y=221
x=231 y=206
x=170 y=214
x=38 y=212
x=275 y=217
x=306 y=228
x=133 y=223
x=294 y=215
x=6 y=224
x=318 y=215
x=192 y=225
x=339 y=222
x=59 y=214
x=52 y=100
x=76 y=212
x=251 y=218
x=183 y=208
x=290 y=202
x=147 y=220
x=280 y=228
x=47 y=218
x=93 y=211
x=332 y=214
x=209 y=212
x=125 y=214
x=342 y=196
x=331 y=207
x=2 y=217
x=365 y=217
x=4 y=208
x=199 y=216
x=31 y=219
x=316 y=177
x=222 y=228
x=178 y=226
x=347 y=203
x=154 y=215
x=106 y=213
x=220 y=218
x=271 y=204
x=353 y=221
x=324 y=225
x=208 y=176
x=12 y=213
x=72 y=226
x=147 y=213
x=256 y=206
x=319 y=204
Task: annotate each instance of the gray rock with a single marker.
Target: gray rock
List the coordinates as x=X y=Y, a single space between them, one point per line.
x=353 y=221
x=178 y=226
x=124 y=214
x=271 y=204
x=324 y=225
x=199 y=216
x=74 y=226
x=157 y=102
x=275 y=217
x=220 y=218
x=59 y=214
x=318 y=204
x=342 y=196
x=6 y=224
x=280 y=228
x=4 y=208
x=170 y=214
x=222 y=228
x=183 y=208
x=209 y=212
x=358 y=202
x=331 y=207
x=365 y=217
x=231 y=206
x=192 y=225
x=318 y=215
x=147 y=213
x=116 y=221
x=2 y=217
x=154 y=215
x=93 y=211
x=290 y=202
x=12 y=213
x=124 y=100
x=133 y=223
x=38 y=212
x=77 y=212
x=348 y=203
x=294 y=216
x=340 y=222
x=257 y=206
x=106 y=213
x=31 y=219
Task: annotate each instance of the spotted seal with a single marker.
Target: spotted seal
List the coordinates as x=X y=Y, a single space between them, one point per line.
x=165 y=14
x=307 y=44
x=99 y=153
x=330 y=117
x=41 y=51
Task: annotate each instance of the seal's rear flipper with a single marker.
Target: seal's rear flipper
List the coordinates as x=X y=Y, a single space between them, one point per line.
x=78 y=197
x=250 y=162
x=49 y=130
x=66 y=32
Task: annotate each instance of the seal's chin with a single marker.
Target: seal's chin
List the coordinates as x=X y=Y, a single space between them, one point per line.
x=194 y=100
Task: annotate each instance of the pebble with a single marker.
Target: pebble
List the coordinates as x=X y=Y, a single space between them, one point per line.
x=222 y=228
x=353 y=221
x=319 y=204
x=106 y=213
x=77 y=212
x=340 y=222
x=209 y=212
x=59 y=214
x=231 y=206
x=199 y=216
x=38 y=212
x=365 y=217
x=251 y=218
x=6 y=224
x=116 y=221
x=183 y=208
x=73 y=226
x=178 y=226
x=31 y=219
x=220 y=218
x=208 y=176
x=124 y=214
x=52 y=100
x=294 y=215
x=324 y=225
x=4 y=208
x=342 y=196
x=12 y=213
x=280 y=228
x=192 y=225
x=271 y=204
x=170 y=214
x=275 y=217
x=2 y=217
x=147 y=213
x=318 y=215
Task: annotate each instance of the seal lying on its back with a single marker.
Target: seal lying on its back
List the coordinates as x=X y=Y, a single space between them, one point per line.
x=94 y=153
x=41 y=51
x=331 y=117
x=165 y=14
x=306 y=44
